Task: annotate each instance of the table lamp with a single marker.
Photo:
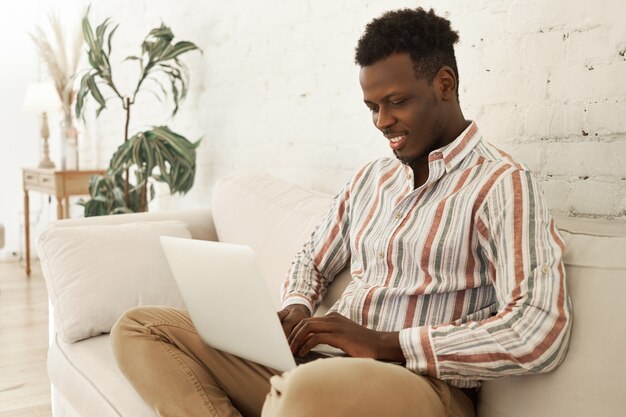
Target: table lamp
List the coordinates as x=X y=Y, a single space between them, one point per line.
x=42 y=98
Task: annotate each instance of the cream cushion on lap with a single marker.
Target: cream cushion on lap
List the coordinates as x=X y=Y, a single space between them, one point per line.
x=96 y=273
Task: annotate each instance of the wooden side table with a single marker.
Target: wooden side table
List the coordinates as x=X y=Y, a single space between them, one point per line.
x=59 y=184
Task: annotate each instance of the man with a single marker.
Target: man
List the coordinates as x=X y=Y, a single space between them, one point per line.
x=456 y=266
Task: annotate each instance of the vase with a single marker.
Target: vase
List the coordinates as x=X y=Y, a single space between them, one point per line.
x=69 y=145
x=63 y=148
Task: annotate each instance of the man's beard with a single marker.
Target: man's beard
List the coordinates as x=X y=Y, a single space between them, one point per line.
x=405 y=161
x=415 y=160
x=437 y=133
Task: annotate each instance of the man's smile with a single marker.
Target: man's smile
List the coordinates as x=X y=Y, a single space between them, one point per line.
x=396 y=140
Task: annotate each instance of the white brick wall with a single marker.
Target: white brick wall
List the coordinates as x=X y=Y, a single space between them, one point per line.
x=276 y=89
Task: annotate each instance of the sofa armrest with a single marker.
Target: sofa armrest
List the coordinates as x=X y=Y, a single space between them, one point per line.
x=199 y=221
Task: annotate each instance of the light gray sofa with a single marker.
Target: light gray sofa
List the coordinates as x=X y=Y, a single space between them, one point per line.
x=275 y=217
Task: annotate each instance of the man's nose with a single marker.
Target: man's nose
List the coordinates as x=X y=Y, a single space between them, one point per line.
x=384 y=119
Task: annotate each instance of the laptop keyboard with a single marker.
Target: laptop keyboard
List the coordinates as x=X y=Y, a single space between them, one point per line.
x=311 y=356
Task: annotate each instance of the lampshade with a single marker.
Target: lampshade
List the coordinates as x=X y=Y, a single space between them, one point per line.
x=40 y=97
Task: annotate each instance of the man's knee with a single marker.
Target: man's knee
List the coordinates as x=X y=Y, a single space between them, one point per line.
x=129 y=322
x=137 y=322
x=350 y=386
x=126 y=329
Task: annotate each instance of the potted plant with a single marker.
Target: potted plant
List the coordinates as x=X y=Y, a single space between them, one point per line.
x=157 y=154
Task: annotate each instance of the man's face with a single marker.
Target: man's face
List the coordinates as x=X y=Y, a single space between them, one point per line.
x=406 y=109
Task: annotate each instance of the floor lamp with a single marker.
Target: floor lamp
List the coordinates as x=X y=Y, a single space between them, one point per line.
x=42 y=98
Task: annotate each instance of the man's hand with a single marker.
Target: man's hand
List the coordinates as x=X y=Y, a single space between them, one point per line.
x=291 y=315
x=342 y=333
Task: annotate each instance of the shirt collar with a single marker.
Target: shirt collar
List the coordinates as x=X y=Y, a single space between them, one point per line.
x=453 y=153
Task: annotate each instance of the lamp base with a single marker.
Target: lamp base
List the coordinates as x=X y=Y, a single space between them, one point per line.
x=46 y=164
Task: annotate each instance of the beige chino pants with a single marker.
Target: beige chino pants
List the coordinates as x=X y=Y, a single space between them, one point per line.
x=159 y=351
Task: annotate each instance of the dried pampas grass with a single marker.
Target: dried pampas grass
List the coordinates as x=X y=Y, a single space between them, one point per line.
x=60 y=66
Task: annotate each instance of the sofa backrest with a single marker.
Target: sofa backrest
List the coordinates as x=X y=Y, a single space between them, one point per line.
x=275 y=218
x=592 y=379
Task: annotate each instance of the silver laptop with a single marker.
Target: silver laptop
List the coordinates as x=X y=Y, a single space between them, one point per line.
x=228 y=301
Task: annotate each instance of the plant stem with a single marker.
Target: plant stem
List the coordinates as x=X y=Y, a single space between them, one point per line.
x=144 y=196
x=126 y=179
x=127 y=108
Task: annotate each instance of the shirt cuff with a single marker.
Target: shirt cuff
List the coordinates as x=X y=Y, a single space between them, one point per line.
x=296 y=299
x=417 y=349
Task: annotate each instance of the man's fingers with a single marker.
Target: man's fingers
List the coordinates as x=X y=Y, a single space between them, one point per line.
x=294 y=331
x=306 y=328
x=304 y=323
x=311 y=341
x=282 y=314
x=289 y=324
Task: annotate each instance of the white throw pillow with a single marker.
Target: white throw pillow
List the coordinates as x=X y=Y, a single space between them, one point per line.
x=96 y=273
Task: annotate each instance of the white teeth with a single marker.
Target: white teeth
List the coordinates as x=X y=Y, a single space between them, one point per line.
x=396 y=139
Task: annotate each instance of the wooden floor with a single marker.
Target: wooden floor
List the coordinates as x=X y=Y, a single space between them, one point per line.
x=24 y=384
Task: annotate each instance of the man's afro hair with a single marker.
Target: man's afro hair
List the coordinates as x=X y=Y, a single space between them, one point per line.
x=427 y=38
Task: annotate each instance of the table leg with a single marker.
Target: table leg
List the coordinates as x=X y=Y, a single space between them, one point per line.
x=66 y=209
x=59 y=208
x=27 y=231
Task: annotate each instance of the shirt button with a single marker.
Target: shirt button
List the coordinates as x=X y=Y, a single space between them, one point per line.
x=398 y=215
x=545 y=269
x=381 y=255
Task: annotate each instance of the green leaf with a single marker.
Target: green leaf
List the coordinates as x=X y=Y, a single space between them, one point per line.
x=172 y=153
x=135 y=150
x=122 y=210
x=148 y=154
x=100 y=30
x=119 y=158
x=176 y=98
x=157 y=49
x=162 y=32
x=178 y=49
x=157 y=82
x=110 y=38
x=99 y=61
x=80 y=95
x=95 y=92
x=88 y=32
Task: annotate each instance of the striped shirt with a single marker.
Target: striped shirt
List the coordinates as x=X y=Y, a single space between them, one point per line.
x=467 y=267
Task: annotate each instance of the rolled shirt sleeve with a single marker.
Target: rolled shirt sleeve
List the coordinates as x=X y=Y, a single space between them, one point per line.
x=322 y=257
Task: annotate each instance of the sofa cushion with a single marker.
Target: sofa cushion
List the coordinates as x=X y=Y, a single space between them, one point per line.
x=86 y=376
x=275 y=218
x=199 y=220
x=95 y=273
x=590 y=380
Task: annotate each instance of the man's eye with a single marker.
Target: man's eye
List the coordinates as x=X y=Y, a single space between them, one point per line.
x=398 y=102
x=373 y=109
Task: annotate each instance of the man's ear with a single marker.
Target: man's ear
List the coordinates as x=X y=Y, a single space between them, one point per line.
x=445 y=81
